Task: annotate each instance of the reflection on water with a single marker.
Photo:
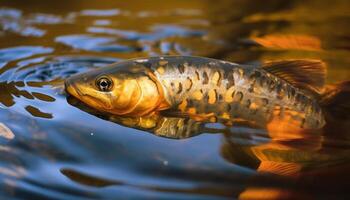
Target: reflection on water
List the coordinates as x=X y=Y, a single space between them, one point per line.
x=292 y=157
x=52 y=148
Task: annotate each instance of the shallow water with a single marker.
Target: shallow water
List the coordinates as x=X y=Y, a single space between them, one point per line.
x=52 y=149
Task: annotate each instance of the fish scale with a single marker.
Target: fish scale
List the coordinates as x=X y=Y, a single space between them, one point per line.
x=257 y=96
x=205 y=89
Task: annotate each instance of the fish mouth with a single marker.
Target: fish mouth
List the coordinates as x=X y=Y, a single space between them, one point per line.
x=71 y=89
x=87 y=99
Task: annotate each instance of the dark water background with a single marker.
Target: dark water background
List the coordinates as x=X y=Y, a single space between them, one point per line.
x=50 y=149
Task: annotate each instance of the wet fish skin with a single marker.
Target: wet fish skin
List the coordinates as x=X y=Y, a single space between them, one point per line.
x=132 y=91
x=221 y=90
x=209 y=89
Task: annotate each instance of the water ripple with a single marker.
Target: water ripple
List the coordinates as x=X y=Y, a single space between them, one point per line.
x=51 y=148
x=19 y=52
x=93 y=43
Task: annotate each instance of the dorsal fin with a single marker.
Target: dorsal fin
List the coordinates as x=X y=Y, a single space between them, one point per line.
x=305 y=74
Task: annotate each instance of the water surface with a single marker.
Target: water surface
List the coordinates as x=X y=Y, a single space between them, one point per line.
x=52 y=149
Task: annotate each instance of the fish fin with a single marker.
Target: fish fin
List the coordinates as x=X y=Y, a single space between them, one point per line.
x=335 y=100
x=280 y=168
x=307 y=74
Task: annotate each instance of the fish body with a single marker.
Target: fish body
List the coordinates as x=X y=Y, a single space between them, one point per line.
x=202 y=88
x=221 y=90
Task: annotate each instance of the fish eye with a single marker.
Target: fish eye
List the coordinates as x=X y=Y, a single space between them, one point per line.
x=104 y=84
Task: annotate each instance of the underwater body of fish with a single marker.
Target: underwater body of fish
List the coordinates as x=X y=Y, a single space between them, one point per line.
x=211 y=90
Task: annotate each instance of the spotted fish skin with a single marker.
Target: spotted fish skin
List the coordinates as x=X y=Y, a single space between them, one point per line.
x=225 y=91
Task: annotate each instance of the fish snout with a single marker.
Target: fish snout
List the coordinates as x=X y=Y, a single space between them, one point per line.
x=71 y=88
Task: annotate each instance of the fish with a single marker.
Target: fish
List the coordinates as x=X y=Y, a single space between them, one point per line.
x=282 y=94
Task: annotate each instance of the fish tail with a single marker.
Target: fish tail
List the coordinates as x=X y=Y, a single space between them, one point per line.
x=335 y=101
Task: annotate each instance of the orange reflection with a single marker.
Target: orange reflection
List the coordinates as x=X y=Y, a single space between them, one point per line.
x=300 y=42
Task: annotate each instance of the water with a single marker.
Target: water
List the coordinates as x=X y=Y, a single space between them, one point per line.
x=52 y=149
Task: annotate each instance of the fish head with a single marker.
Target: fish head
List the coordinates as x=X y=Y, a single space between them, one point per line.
x=124 y=88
